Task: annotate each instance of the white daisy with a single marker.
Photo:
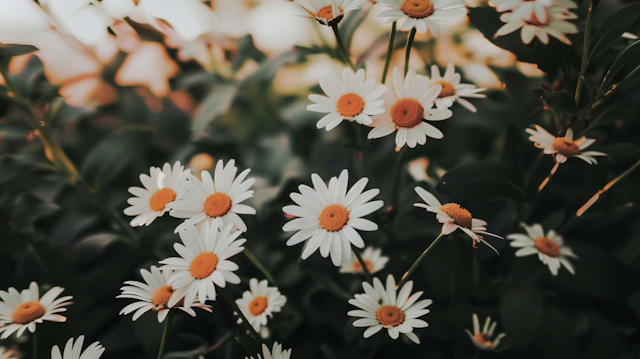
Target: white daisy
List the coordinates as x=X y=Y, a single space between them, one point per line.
x=353 y=99
x=550 y=248
x=8 y=353
x=154 y=295
x=74 y=351
x=452 y=217
x=203 y=262
x=373 y=259
x=482 y=339
x=276 y=352
x=407 y=105
x=326 y=12
x=526 y=9
x=260 y=302
x=563 y=148
x=420 y=14
x=19 y=311
x=554 y=25
x=452 y=89
x=330 y=216
x=217 y=202
x=382 y=308
x=161 y=189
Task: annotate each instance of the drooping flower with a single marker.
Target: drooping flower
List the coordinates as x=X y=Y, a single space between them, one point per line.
x=420 y=14
x=373 y=259
x=452 y=90
x=563 y=148
x=380 y=307
x=326 y=12
x=74 y=350
x=550 y=247
x=259 y=303
x=275 y=353
x=482 y=339
x=555 y=25
x=330 y=216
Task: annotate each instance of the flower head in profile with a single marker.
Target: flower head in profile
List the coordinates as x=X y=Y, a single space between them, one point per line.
x=407 y=106
x=563 y=148
x=8 y=353
x=153 y=295
x=550 y=247
x=555 y=25
x=373 y=259
x=326 y=12
x=259 y=303
x=381 y=307
x=453 y=216
x=216 y=200
x=74 y=350
x=275 y=353
x=482 y=339
x=452 y=90
x=330 y=216
x=420 y=14
x=352 y=99
x=23 y=310
x=203 y=263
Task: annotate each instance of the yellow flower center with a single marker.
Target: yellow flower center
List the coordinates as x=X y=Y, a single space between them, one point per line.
x=483 y=339
x=203 y=265
x=27 y=312
x=201 y=162
x=461 y=216
x=333 y=217
x=547 y=246
x=217 y=204
x=390 y=316
x=417 y=9
x=162 y=295
x=161 y=198
x=407 y=113
x=448 y=89
x=350 y=105
x=565 y=146
x=258 y=305
x=357 y=267
x=326 y=12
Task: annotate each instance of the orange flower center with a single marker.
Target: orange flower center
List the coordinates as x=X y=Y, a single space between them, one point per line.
x=203 y=265
x=27 y=312
x=460 y=215
x=535 y=21
x=357 y=267
x=390 y=316
x=161 y=198
x=417 y=9
x=483 y=339
x=350 y=105
x=217 y=205
x=258 y=305
x=162 y=295
x=448 y=89
x=326 y=12
x=407 y=113
x=565 y=146
x=547 y=246
x=333 y=217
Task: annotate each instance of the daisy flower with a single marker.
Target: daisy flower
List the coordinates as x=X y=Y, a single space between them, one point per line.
x=452 y=89
x=154 y=295
x=276 y=352
x=203 y=262
x=380 y=307
x=353 y=99
x=420 y=14
x=161 y=189
x=373 y=259
x=555 y=25
x=563 y=148
x=8 y=353
x=407 y=105
x=330 y=216
x=326 y=12
x=217 y=202
x=74 y=351
x=452 y=217
x=482 y=339
x=523 y=9
x=550 y=248
x=22 y=310
x=260 y=302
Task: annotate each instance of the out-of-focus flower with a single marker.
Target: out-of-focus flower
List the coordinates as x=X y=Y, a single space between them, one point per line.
x=420 y=14
x=373 y=259
x=326 y=12
x=74 y=351
x=555 y=25
x=275 y=353
x=8 y=353
x=563 y=148
x=381 y=307
x=80 y=19
x=149 y=65
x=275 y=27
x=259 y=303
x=201 y=162
x=189 y=18
x=550 y=248
x=482 y=339
x=452 y=89
x=330 y=216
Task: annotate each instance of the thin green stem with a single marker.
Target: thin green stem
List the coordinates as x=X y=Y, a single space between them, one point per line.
x=415 y=265
x=165 y=332
x=387 y=58
x=343 y=49
x=408 y=50
x=245 y=321
x=585 y=54
x=365 y=269
x=34 y=340
x=259 y=265
x=396 y=179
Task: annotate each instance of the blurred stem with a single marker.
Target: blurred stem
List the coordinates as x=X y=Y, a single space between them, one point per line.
x=546 y=180
x=365 y=269
x=387 y=58
x=396 y=179
x=259 y=265
x=246 y=323
x=34 y=340
x=375 y=347
x=341 y=46
x=415 y=265
x=408 y=50
x=585 y=54
x=167 y=324
x=316 y=28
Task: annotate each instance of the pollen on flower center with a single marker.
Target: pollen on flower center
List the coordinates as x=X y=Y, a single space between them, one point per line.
x=448 y=89
x=461 y=216
x=27 y=312
x=417 y=9
x=203 y=265
x=350 y=105
x=162 y=295
x=565 y=147
x=217 y=204
x=258 y=305
x=390 y=316
x=161 y=198
x=407 y=113
x=326 y=12
x=483 y=338
x=333 y=217
x=547 y=246
x=357 y=267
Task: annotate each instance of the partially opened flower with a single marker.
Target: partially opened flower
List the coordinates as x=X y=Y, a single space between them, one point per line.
x=8 y=353
x=407 y=106
x=372 y=258
x=452 y=217
x=22 y=310
x=260 y=302
x=554 y=25
x=550 y=247
x=330 y=216
x=482 y=339
x=352 y=99
x=326 y=12
x=153 y=295
x=452 y=89
x=275 y=353
x=381 y=307
x=563 y=148
x=74 y=350
x=420 y=14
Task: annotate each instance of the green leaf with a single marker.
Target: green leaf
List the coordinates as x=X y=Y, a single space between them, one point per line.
x=11 y=50
x=350 y=24
x=247 y=50
x=561 y=101
x=269 y=67
x=620 y=150
x=216 y=103
x=328 y=353
x=512 y=153
x=520 y=309
x=613 y=28
x=483 y=181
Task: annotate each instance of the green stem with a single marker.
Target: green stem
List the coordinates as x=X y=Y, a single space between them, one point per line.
x=585 y=54
x=396 y=179
x=259 y=265
x=245 y=321
x=408 y=50
x=165 y=332
x=387 y=58
x=341 y=46
x=34 y=340
x=365 y=269
x=375 y=347
x=415 y=265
